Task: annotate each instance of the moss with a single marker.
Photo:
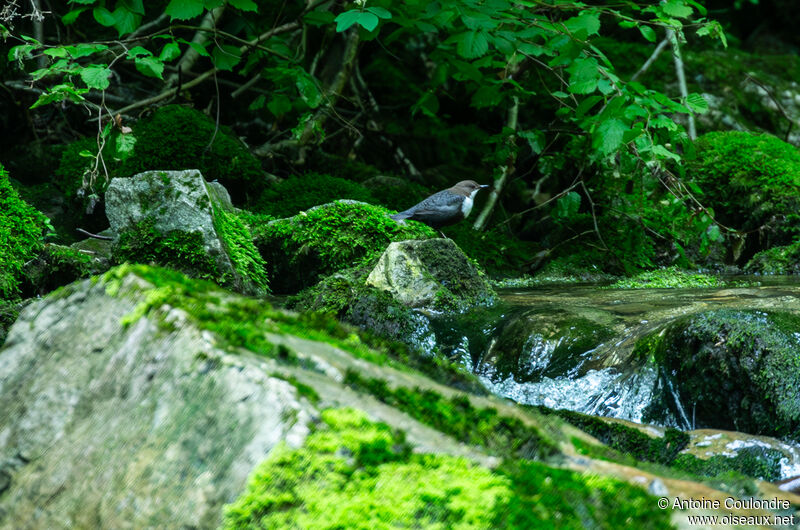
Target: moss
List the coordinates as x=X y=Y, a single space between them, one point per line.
x=353 y=473
x=302 y=389
x=494 y=250
x=246 y=260
x=456 y=416
x=336 y=236
x=669 y=278
x=21 y=230
x=752 y=181
x=738 y=370
x=627 y=440
x=776 y=260
x=183 y=251
x=176 y=137
x=57 y=265
x=755 y=462
x=290 y=196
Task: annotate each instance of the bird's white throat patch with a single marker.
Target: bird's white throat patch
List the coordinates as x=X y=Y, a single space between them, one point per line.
x=466 y=206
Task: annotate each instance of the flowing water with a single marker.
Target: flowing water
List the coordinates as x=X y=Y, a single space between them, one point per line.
x=570 y=347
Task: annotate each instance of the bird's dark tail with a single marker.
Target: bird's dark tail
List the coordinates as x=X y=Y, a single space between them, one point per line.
x=401 y=215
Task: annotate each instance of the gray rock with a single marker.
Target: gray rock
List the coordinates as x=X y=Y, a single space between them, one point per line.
x=108 y=426
x=431 y=273
x=183 y=201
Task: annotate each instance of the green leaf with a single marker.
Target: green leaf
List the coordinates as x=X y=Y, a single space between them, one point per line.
x=244 y=5
x=226 y=56
x=170 y=51
x=663 y=152
x=85 y=153
x=308 y=90
x=472 y=44
x=56 y=52
x=608 y=136
x=380 y=12
x=96 y=76
x=427 y=104
x=23 y=51
x=676 y=8
x=368 y=21
x=150 y=66
x=279 y=105
x=585 y=105
x=583 y=25
x=714 y=234
x=138 y=51
x=648 y=33
x=125 y=20
x=346 y=19
x=583 y=76
x=535 y=140
x=58 y=93
x=184 y=9
x=125 y=144
x=103 y=16
x=486 y=96
x=72 y=16
x=85 y=50
x=697 y=103
x=197 y=47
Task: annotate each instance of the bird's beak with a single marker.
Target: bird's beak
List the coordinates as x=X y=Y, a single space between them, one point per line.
x=484 y=185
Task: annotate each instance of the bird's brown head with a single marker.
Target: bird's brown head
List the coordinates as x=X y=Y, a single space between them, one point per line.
x=467 y=188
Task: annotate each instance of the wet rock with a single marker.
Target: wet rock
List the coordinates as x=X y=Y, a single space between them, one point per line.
x=430 y=273
x=736 y=370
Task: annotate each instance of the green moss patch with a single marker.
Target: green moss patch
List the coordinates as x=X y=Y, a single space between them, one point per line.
x=669 y=278
x=182 y=251
x=290 y=196
x=177 y=137
x=354 y=473
x=752 y=181
x=503 y=435
x=776 y=260
x=323 y=240
x=756 y=462
x=236 y=237
x=21 y=230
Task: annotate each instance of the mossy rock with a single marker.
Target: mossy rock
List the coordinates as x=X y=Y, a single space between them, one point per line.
x=175 y=137
x=752 y=181
x=290 y=196
x=21 y=231
x=176 y=219
x=396 y=193
x=58 y=265
x=302 y=249
x=734 y=370
x=354 y=473
x=776 y=260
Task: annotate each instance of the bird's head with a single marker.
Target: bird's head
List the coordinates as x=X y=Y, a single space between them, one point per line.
x=468 y=188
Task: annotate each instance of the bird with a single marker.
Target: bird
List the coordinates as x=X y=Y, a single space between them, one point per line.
x=445 y=207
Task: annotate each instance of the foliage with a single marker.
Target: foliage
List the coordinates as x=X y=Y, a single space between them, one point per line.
x=753 y=183
x=300 y=193
x=21 y=230
x=756 y=462
x=327 y=239
x=58 y=265
x=669 y=278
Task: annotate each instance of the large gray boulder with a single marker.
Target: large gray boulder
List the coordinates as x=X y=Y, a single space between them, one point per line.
x=110 y=426
x=182 y=205
x=431 y=273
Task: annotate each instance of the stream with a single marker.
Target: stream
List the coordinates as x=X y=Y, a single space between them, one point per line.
x=572 y=347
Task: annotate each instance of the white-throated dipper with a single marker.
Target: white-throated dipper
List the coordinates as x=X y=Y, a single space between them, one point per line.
x=445 y=207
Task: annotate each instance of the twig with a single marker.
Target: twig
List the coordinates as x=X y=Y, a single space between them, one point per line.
x=650 y=60
x=95 y=236
x=505 y=170
x=676 y=56
x=190 y=56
